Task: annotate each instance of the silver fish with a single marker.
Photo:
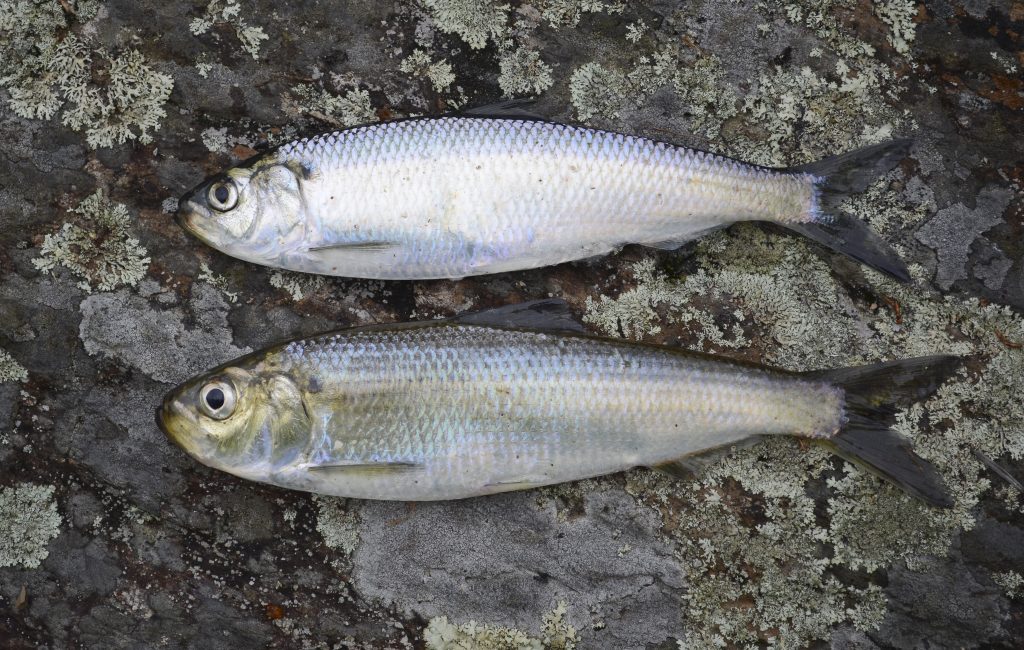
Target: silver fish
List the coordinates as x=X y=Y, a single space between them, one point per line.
x=457 y=196
x=490 y=403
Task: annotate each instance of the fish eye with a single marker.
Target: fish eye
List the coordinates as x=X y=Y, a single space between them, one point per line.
x=217 y=400
x=223 y=196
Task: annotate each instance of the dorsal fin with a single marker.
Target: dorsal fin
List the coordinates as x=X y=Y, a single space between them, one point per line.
x=508 y=109
x=544 y=314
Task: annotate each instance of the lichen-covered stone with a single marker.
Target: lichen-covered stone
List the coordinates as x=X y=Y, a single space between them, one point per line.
x=775 y=545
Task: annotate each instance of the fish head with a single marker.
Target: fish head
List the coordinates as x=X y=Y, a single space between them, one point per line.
x=245 y=419
x=254 y=211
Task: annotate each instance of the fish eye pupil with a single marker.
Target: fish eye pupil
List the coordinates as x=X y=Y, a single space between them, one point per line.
x=215 y=398
x=221 y=193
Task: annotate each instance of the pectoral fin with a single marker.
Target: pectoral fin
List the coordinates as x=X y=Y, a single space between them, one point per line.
x=384 y=468
x=519 y=482
x=367 y=246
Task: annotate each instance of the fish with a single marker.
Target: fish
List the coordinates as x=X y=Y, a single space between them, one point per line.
x=499 y=189
x=521 y=397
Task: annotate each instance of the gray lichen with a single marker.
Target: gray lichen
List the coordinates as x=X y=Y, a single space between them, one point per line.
x=122 y=326
x=338 y=525
x=523 y=72
x=48 y=68
x=475 y=21
x=557 y=634
x=230 y=12
x=10 y=369
x=348 y=109
x=97 y=247
x=28 y=521
x=421 y=65
x=953 y=229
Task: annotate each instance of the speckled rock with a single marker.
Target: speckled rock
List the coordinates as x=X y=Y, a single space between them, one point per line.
x=139 y=547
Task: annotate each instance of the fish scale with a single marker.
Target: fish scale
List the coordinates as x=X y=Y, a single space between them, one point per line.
x=458 y=196
x=481 y=409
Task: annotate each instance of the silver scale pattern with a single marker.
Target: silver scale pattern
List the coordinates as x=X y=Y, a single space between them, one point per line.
x=486 y=410
x=462 y=196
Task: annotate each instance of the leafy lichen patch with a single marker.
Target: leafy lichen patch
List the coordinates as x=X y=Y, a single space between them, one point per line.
x=28 y=521
x=523 y=72
x=97 y=247
x=47 y=69
x=230 y=12
x=557 y=634
x=474 y=21
x=421 y=65
x=350 y=108
x=10 y=369
x=783 y=561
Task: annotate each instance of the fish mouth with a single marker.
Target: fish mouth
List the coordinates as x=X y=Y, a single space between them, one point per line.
x=190 y=217
x=173 y=419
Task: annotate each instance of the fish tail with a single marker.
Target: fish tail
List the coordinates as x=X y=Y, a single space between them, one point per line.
x=839 y=177
x=873 y=395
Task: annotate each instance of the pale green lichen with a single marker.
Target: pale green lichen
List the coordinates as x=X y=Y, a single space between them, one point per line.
x=421 y=65
x=47 y=69
x=475 y=21
x=215 y=140
x=349 y=109
x=595 y=90
x=97 y=247
x=297 y=285
x=568 y=13
x=10 y=369
x=218 y=281
x=338 y=525
x=802 y=319
x=1011 y=582
x=899 y=16
x=805 y=116
x=556 y=634
x=28 y=521
x=229 y=11
x=523 y=72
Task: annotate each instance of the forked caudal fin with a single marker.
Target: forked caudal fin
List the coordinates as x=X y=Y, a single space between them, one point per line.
x=873 y=395
x=842 y=176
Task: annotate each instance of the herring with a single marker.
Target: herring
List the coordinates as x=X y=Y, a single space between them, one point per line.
x=463 y=195
x=520 y=397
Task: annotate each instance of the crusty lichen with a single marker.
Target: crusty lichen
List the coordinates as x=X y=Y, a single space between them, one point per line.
x=1011 y=582
x=46 y=68
x=338 y=525
x=28 y=521
x=97 y=247
x=10 y=369
x=230 y=12
x=804 y=320
x=556 y=634
x=297 y=285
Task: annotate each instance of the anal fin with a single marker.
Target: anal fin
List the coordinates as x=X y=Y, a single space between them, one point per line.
x=692 y=465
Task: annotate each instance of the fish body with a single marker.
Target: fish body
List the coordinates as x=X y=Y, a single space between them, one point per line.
x=456 y=196
x=448 y=410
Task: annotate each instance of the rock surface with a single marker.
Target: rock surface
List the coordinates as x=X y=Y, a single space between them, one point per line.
x=111 y=537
